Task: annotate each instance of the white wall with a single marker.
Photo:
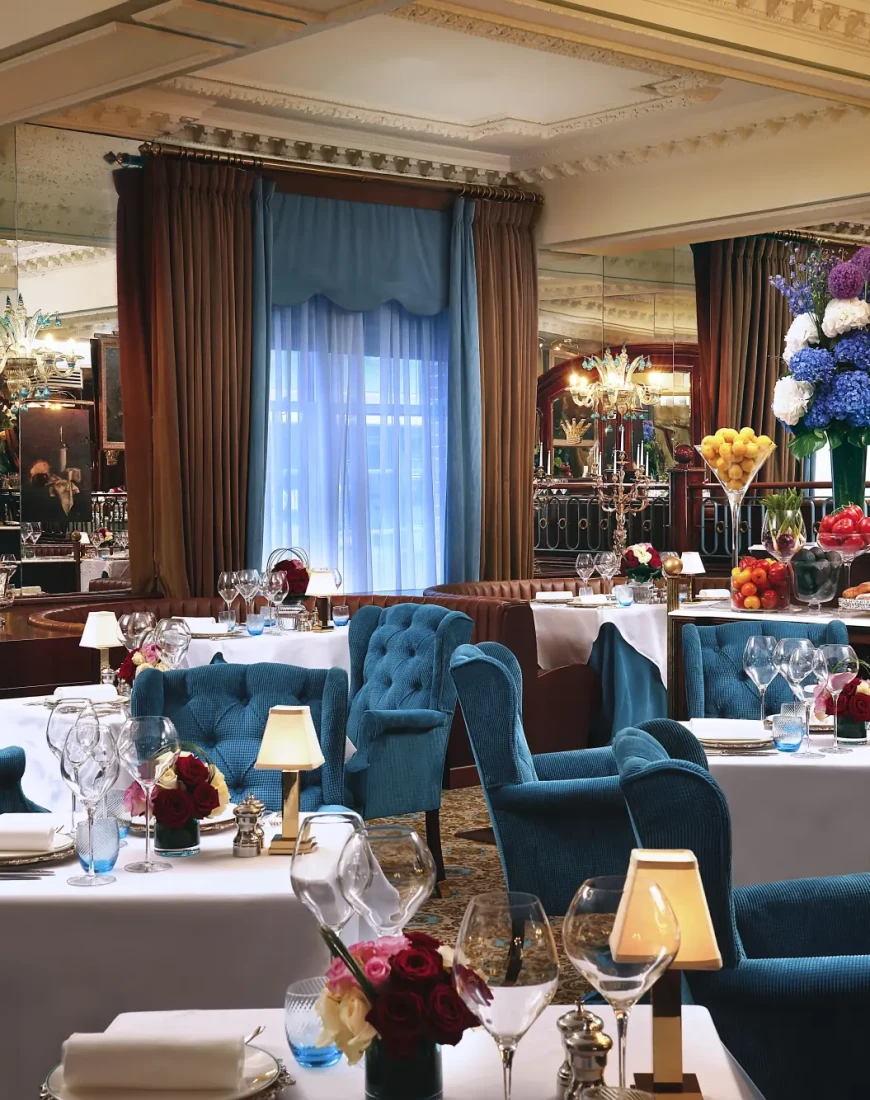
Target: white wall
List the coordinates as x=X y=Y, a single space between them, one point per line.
x=71 y=289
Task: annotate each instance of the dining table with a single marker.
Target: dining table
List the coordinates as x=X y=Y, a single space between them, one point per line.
x=306 y=648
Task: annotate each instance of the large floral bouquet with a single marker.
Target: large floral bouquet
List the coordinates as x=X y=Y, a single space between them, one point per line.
x=297 y=578
x=398 y=989
x=853 y=702
x=825 y=397
x=149 y=655
x=190 y=789
x=642 y=562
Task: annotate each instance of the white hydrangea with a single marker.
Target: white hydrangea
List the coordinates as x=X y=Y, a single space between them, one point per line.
x=844 y=314
x=791 y=399
x=803 y=330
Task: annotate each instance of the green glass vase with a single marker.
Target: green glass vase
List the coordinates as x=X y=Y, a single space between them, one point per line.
x=177 y=842
x=415 y=1078
x=848 y=465
x=849 y=729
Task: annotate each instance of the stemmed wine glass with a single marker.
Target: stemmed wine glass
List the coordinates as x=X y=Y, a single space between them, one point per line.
x=607 y=564
x=249 y=586
x=135 y=626
x=35 y=533
x=785 y=649
x=148 y=747
x=759 y=664
x=807 y=673
x=314 y=868
x=386 y=872
x=90 y=765
x=26 y=533
x=585 y=567
x=173 y=636
x=276 y=589
x=228 y=588
x=505 y=967
x=586 y=936
x=842 y=665
x=64 y=715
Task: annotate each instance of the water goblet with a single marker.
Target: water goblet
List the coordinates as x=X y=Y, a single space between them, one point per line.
x=173 y=637
x=89 y=765
x=807 y=673
x=135 y=626
x=35 y=532
x=584 y=565
x=64 y=715
x=759 y=664
x=148 y=747
x=386 y=873
x=249 y=586
x=314 y=867
x=276 y=588
x=842 y=665
x=228 y=588
x=586 y=936
x=505 y=967
x=607 y=564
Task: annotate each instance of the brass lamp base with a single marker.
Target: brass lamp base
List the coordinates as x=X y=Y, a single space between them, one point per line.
x=690 y=1089
x=667 y=1077
x=284 y=843
x=323 y=613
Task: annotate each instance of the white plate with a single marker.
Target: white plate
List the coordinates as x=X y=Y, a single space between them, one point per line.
x=260 y=1072
x=62 y=846
x=726 y=730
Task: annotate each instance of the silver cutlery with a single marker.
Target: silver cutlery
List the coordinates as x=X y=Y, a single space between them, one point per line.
x=257 y=1031
x=21 y=876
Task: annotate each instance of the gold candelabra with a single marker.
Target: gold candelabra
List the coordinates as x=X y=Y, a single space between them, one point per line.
x=625 y=493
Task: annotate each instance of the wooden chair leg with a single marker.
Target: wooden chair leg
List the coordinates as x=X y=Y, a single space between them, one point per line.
x=433 y=840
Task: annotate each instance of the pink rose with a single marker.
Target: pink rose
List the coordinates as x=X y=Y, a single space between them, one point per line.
x=391 y=945
x=134 y=800
x=339 y=979
x=365 y=950
x=377 y=970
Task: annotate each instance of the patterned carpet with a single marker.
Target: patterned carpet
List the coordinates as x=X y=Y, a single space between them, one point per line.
x=474 y=868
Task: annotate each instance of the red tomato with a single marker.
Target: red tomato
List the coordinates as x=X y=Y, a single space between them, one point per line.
x=769 y=599
x=830 y=541
x=784 y=600
x=736 y=600
x=748 y=589
x=827 y=523
x=748 y=563
x=777 y=573
x=845 y=525
x=864 y=525
x=853 y=542
x=759 y=577
x=855 y=511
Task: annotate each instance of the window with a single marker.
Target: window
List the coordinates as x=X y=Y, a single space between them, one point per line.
x=357 y=442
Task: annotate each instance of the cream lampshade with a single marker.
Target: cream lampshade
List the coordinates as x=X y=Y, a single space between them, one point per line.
x=676 y=874
x=103 y=633
x=290 y=745
x=692 y=564
x=322 y=585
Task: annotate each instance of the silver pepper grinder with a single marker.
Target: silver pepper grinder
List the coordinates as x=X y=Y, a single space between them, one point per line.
x=248 y=840
x=586 y=1049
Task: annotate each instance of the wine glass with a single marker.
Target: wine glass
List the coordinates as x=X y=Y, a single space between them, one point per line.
x=386 y=873
x=35 y=532
x=134 y=626
x=785 y=649
x=148 y=747
x=26 y=532
x=89 y=765
x=607 y=564
x=228 y=588
x=842 y=664
x=173 y=636
x=276 y=589
x=505 y=967
x=249 y=586
x=585 y=567
x=807 y=674
x=314 y=868
x=759 y=664
x=64 y=715
x=586 y=936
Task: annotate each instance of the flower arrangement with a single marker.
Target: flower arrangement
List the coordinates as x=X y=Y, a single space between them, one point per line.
x=642 y=562
x=825 y=396
x=146 y=656
x=853 y=702
x=297 y=578
x=104 y=537
x=190 y=790
x=398 y=989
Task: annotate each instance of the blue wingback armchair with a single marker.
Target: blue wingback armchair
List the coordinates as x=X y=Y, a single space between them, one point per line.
x=794 y=953
x=717 y=686
x=401 y=706
x=12 y=797
x=559 y=818
x=223 y=708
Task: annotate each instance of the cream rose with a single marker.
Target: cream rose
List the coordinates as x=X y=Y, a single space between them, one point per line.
x=220 y=785
x=169 y=780
x=863 y=688
x=344 y=1023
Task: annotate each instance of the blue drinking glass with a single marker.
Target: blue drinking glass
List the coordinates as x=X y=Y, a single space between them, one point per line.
x=788 y=731
x=302 y=1024
x=113 y=806
x=624 y=594
x=107 y=843
x=341 y=614
x=255 y=624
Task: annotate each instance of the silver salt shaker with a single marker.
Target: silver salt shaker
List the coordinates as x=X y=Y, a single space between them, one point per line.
x=248 y=840
x=586 y=1049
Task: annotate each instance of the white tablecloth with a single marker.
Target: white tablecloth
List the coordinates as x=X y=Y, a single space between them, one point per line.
x=566 y=635
x=116 y=566
x=214 y=932
x=308 y=649
x=793 y=817
x=24 y=724
x=472 y=1070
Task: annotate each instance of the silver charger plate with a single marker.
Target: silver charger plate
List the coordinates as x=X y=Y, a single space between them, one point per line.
x=263 y=1076
x=64 y=846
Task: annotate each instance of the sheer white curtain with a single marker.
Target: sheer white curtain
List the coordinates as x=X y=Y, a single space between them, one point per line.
x=357 y=442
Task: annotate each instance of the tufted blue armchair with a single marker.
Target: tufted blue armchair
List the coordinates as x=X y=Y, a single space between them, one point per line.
x=12 y=798
x=559 y=818
x=795 y=953
x=401 y=707
x=717 y=686
x=223 y=708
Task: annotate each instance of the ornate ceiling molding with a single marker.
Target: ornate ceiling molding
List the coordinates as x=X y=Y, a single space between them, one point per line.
x=812 y=16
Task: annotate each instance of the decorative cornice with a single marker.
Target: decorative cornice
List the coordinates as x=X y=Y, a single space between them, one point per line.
x=813 y=16
x=47 y=258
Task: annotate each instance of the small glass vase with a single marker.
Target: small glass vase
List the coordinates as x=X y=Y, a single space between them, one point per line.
x=177 y=842
x=415 y=1078
x=852 y=731
x=848 y=464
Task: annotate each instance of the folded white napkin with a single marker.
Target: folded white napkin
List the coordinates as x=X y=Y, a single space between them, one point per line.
x=26 y=832
x=713 y=594
x=727 y=729
x=95 y=693
x=152 y=1062
x=553 y=597
x=205 y=626
x=595 y=600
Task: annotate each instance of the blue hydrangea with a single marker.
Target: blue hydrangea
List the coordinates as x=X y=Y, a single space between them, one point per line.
x=812 y=365
x=846 y=397
x=854 y=348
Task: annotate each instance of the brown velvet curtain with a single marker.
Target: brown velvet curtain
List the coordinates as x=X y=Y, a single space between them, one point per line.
x=191 y=374
x=742 y=322
x=507 y=293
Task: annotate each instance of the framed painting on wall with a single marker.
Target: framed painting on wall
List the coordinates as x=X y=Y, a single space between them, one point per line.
x=56 y=470
x=106 y=360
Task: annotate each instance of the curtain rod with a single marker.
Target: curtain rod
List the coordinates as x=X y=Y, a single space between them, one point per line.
x=813 y=238
x=468 y=190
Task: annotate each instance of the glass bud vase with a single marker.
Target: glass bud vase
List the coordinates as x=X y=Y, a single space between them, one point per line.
x=415 y=1078
x=179 y=841
x=852 y=731
x=848 y=464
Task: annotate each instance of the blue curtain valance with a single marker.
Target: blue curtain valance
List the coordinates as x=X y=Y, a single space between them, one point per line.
x=359 y=254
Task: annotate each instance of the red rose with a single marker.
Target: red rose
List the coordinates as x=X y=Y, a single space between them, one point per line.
x=127 y=671
x=859 y=707
x=416 y=967
x=299 y=587
x=842 y=704
x=447 y=1015
x=172 y=808
x=398 y=1017
x=423 y=942
x=191 y=770
x=654 y=559
x=205 y=799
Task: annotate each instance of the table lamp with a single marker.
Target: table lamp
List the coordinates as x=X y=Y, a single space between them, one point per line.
x=289 y=745
x=634 y=932
x=321 y=585
x=692 y=567
x=103 y=633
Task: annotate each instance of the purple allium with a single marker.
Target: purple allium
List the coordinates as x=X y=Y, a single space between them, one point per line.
x=812 y=365
x=854 y=349
x=861 y=260
x=846 y=281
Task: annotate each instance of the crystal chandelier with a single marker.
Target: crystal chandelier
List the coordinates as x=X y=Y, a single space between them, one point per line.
x=26 y=364
x=614 y=390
